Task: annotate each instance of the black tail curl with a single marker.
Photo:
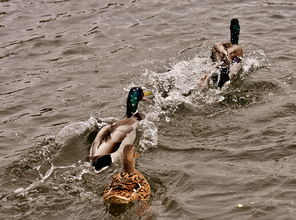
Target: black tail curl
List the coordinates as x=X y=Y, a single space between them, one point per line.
x=102 y=161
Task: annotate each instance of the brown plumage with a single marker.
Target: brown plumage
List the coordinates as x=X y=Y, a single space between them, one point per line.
x=224 y=54
x=129 y=185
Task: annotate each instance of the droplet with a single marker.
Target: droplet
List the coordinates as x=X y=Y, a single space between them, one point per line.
x=19 y=190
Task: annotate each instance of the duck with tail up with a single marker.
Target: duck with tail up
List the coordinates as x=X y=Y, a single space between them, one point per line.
x=111 y=139
x=227 y=59
x=129 y=185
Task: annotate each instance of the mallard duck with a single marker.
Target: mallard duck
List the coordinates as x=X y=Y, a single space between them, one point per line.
x=129 y=185
x=111 y=139
x=226 y=57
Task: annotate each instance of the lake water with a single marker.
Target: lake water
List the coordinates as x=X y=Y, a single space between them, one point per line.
x=66 y=68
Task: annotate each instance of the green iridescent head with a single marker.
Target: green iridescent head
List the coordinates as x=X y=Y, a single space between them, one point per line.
x=234 y=31
x=136 y=94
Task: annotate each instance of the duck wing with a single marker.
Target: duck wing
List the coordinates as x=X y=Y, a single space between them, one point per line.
x=110 y=137
x=98 y=140
x=124 y=181
x=235 y=52
x=219 y=53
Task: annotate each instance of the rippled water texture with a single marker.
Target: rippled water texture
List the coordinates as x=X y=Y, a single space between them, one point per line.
x=66 y=67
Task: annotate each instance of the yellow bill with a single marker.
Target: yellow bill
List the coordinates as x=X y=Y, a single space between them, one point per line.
x=147 y=93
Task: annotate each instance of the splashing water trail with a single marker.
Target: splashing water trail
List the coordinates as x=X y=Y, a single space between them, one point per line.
x=179 y=86
x=43 y=160
x=42 y=178
x=254 y=60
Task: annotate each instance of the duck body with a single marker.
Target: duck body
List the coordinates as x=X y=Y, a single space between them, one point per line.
x=109 y=143
x=126 y=188
x=111 y=139
x=129 y=185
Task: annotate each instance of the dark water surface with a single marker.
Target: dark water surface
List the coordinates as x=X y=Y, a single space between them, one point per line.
x=66 y=67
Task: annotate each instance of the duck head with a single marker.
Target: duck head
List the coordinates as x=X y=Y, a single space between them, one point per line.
x=234 y=31
x=136 y=94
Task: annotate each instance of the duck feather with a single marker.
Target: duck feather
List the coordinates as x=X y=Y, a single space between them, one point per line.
x=127 y=187
x=112 y=138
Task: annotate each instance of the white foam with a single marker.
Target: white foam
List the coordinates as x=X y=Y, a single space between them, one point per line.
x=150 y=130
x=179 y=86
x=255 y=60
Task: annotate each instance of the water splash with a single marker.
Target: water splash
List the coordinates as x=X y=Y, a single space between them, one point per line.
x=175 y=86
x=178 y=86
x=41 y=159
x=254 y=60
x=42 y=178
x=149 y=130
x=77 y=129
